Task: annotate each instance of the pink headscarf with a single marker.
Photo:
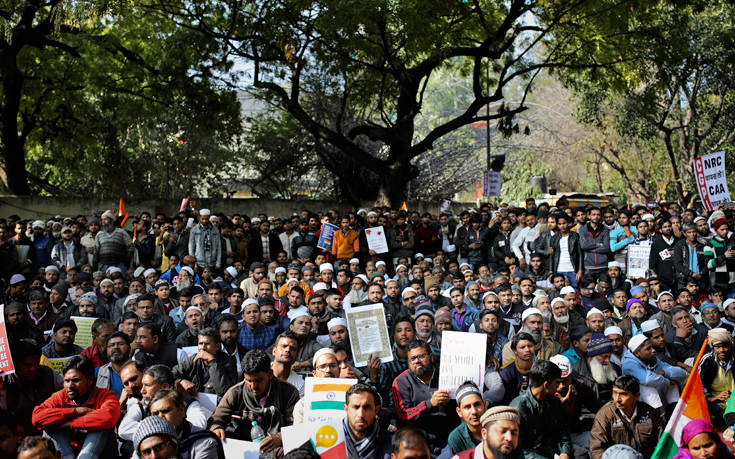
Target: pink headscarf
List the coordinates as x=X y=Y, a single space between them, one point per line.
x=694 y=428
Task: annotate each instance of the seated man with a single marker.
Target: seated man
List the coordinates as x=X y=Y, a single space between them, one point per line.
x=254 y=396
x=363 y=437
x=544 y=432
x=715 y=370
x=501 y=427
x=97 y=352
x=81 y=412
x=505 y=384
x=325 y=366
x=615 y=335
x=62 y=340
x=156 y=436
x=194 y=321
x=17 y=326
x=653 y=331
x=470 y=408
x=683 y=342
x=593 y=378
x=532 y=322
x=641 y=362
x=253 y=333
x=410 y=443
x=625 y=421
x=153 y=350
x=403 y=333
x=38 y=448
x=210 y=370
x=118 y=352
x=416 y=400
x=193 y=441
x=580 y=339
x=284 y=353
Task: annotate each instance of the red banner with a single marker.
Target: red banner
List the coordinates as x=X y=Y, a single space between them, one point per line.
x=6 y=361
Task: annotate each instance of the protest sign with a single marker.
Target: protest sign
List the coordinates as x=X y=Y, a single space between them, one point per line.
x=56 y=364
x=208 y=402
x=327 y=236
x=376 y=239
x=239 y=449
x=445 y=205
x=6 y=361
x=327 y=438
x=190 y=350
x=458 y=364
x=324 y=398
x=83 y=337
x=368 y=332
x=491 y=183
x=638 y=256
x=709 y=171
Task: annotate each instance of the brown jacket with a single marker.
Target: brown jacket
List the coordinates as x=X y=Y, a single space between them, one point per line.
x=610 y=428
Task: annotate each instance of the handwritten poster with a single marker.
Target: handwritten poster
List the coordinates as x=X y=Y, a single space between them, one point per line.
x=458 y=364
x=368 y=332
x=84 y=331
x=327 y=236
x=638 y=256
x=6 y=361
x=376 y=239
x=709 y=171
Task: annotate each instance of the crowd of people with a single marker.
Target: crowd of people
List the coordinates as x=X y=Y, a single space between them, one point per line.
x=583 y=359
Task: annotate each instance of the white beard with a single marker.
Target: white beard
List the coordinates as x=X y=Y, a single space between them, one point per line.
x=563 y=320
x=602 y=374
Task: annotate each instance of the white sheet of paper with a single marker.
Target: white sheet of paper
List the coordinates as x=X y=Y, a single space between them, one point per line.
x=376 y=239
x=190 y=350
x=208 y=402
x=462 y=359
x=240 y=449
x=368 y=332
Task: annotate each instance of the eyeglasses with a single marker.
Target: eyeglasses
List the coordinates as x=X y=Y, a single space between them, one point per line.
x=327 y=366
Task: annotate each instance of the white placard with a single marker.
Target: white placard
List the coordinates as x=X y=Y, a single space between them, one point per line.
x=491 y=183
x=462 y=359
x=208 y=402
x=240 y=449
x=638 y=256
x=709 y=170
x=326 y=437
x=190 y=350
x=324 y=398
x=368 y=331
x=376 y=239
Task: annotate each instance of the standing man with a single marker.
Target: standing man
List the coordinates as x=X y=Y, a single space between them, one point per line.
x=204 y=242
x=661 y=260
x=112 y=245
x=594 y=240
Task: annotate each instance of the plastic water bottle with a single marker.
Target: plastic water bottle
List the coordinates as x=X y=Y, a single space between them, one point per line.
x=256 y=433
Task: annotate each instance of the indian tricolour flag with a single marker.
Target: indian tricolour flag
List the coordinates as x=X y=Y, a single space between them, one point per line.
x=691 y=405
x=325 y=397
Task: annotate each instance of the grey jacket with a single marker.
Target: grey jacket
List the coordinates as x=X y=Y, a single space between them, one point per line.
x=205 y=245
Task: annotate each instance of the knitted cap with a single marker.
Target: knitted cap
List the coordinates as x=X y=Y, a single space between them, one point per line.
x=499 y=413
x=466 y=389
x=153 y=426
x=599 y=344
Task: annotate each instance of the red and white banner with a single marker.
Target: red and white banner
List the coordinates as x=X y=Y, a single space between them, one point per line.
x=709 y=171
x=6 y=361
x=491 y=183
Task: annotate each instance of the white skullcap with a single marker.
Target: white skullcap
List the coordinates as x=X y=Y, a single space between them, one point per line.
x=231 y=271
x=613 y=330
x=594 y=311
x=636 y=342
x=249 y=301
x=17 y=279
x=409 y=290
x=648 y=217
x=615 y=264
x=371 y=213
x=113 y=269
x=727 y=303
x=529 y=312
x=556 y=300
x=336 y=322
x=562 y=361
x=292 y=280
x=566 y=290
x=106 y=281
x=51 y=268
x=148 y=272
x=138 y=271
x=451 y=248
x=698 y=219
x=429 y=260
x=489 y=292
x=465 y=264
x=401 y=266
x=129 y=298
x=255 y=220
x=280 y=269
x=196 y=308
x=205 y=212
x=301 y=311
x=321 y=352
x=354 y=260
x=363 y=278
x=319 y=286
x=419 y=255
x=650 y=325
x=38 y=224
x=326 y=267
x=658 y=298
x=379 y=263
x=188 y=270
x=361 y=211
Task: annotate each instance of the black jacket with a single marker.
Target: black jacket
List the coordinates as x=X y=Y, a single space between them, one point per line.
x=681 y=263
x=215 y=378
x=575 y=252
x=661 y=260
x=255 y=247
x=500 y=249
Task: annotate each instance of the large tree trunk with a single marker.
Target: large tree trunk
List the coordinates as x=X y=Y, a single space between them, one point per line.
x=394 y=183
x=12 y=149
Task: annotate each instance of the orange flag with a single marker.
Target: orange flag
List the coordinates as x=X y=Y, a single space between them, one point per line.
x=404 y=206
x=122 y=213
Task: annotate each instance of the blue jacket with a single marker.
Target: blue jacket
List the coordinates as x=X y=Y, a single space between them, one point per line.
x=634 y=367
x=623 y=241
x=467 y=320
x=595 y=246
x=42 y=252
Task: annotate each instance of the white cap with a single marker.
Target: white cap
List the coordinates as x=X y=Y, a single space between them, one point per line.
x=698 y=219
x=51 y=268
x=354 y=260
x=615 y=264
x=195 y=308
x=17 y=279
x=319 y=286
x=419 y=254
x=451 y=248
x=292 y=280
x=529 y=312
x=361 y=211
x=429 y=260
x=280 y=269
x=326 y=267
x=636 y=342
x=106 y=280
x=255 y=220
x=205 y=212
x=301 y=311
x=650 y=325
x=613 y=330
x=148 y=272
x=379 y=263
x=363 y=278
x=465 y=264
x=188 y=270
x=138 y=271
x=336 y=322
x=401 y=266
x=648 y=217
x=408 y=290
x=567 y=289
x=562 y=361
x=231 y=271
x=249 y=301
x=594 y=311
x=556 y=300
x=727 y=303
x=321 y=352
x=113 y=269
x=38 y=224
x=658 y=298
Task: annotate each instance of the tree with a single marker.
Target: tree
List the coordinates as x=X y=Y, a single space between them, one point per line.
x=116 y=102
x=378 y=57
x=674 y=98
